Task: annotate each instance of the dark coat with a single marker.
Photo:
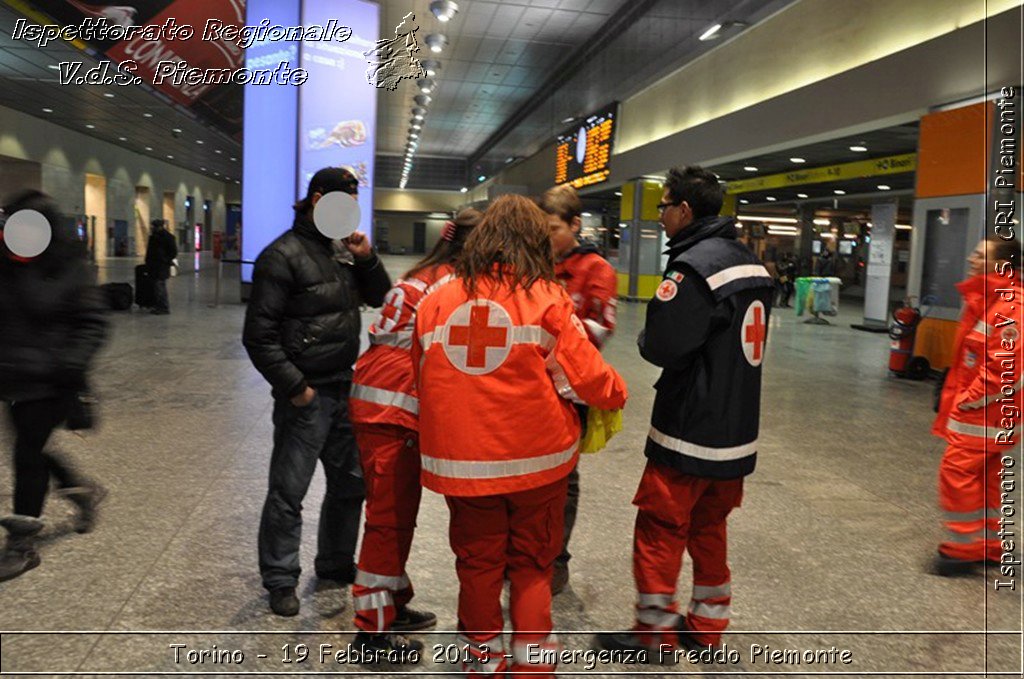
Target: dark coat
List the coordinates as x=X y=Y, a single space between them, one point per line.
x=160 y=252
x=302 y=327
x=707 y=328
x=53 y=323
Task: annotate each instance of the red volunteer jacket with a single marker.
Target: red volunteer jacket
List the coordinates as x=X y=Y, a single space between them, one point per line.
x=593 y=288
x=383 y=391
x=496 y=374
x=980 y=405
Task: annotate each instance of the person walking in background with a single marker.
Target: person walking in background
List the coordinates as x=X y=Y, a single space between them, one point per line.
x=161 y=250
x=302 y=331
x=973 y=405
x=500 y=357
x=385 y=413
x=593 y=288
x=706 y=329
x=52 y=326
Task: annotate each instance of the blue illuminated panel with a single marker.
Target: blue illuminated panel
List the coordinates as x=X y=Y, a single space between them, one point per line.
x=338 y=108
x=270 y=124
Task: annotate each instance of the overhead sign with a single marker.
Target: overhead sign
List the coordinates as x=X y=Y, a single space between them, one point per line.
x=830 y=173
x=582 y=155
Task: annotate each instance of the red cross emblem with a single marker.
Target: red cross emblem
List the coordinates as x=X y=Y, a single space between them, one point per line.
x=392 y=310
x=478 y=337
x=755 y=332
x=667 y=290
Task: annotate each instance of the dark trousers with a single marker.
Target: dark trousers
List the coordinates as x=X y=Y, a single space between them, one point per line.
x=160 y=301
x=302 y=436
x=572 y=498
x=34 y=422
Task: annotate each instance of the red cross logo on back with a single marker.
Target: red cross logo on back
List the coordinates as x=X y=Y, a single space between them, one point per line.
x=478 y=337
x=754 y=332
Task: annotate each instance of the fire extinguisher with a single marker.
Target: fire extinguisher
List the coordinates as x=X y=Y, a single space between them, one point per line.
x=902 y=331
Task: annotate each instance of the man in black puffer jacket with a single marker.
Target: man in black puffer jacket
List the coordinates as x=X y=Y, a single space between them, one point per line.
x=302 y=331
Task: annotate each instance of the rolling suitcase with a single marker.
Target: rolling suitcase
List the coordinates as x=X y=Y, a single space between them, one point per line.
x=145 y=290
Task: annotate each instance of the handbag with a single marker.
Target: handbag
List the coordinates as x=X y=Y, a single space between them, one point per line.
x=81 y=411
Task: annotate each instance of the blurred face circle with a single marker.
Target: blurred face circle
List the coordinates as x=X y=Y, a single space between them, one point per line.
x=336 y=214
x=562 y=238
x=27 y=233
x=976 y=260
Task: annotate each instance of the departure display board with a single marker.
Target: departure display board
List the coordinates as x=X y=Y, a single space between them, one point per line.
x=582 y=155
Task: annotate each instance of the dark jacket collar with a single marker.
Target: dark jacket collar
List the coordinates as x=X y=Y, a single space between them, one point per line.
x=702 y=229
x=304 y=226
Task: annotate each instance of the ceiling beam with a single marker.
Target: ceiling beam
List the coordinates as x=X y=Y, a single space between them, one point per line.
x=616 y=24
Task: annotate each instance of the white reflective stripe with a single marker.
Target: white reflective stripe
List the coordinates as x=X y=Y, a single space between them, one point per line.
x=705 y=592
x=384 y=397
x=597 y=331
x=379 y=600
x=495 y=469
x=735 y=273
x=560 y=379
x=992 y=398
x=443 y=280
x=654 y=600
x=414 y=283
x=983 y=328
x=657 y=618
x=494 y=646
x=968 y=538
x=966 y=429
x=976 y=515
x=521 y=651
x=392 y=582
x=401 y=339
x=713 y=611
x=533 y=334
x=702 y=452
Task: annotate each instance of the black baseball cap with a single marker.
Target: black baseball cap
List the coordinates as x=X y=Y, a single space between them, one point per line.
x=326 y=180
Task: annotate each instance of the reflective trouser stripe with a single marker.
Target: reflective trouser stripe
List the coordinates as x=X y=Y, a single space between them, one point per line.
x=713 y=611
x=657 y=618
x=391 y=582
x=384 y=397
x=487 y=657
x=968 y=538
x=378 y=601
x=983 y=329
x=976 y=515
x=966 y=429
x=699 y=451
x=523 y=650
x=704 y=592
x=654 y=600
x=495 y=469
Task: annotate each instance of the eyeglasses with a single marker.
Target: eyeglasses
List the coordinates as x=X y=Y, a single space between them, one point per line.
x=664 y=206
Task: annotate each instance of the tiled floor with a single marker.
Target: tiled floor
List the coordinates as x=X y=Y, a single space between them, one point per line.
x=836 y=530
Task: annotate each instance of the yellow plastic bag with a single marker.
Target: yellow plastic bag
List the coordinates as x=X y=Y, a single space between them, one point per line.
x=601 y=426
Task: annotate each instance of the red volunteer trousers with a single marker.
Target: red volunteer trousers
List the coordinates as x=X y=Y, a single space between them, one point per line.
x=678 y=512
x=519 y=534
x=967 y=510
x=391 y=469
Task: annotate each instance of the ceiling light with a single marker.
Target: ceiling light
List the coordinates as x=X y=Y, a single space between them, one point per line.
x=416 y=125
x=770 y=199
x=750 y=168
x=481 y=178
x=744 y=201
x=904 y=227
x=436 y=42
x=122 y=138
x=47 y=110
x=176 y=130
x=233 y=158
x=54 y=67
x=218 y=152
x=149 y=148
x=859 y=149
x=432 y=66
x=839 y=192
x=170 y=157
x=200 y=141
x=422 y=99
x=202 y=169
x=91 y=126
x=414 y=135
x=108 y=95
x=618 y=193
x=884 y=187
x=797 y=160
x=821 y=221
x=586 y=214
x=216 y=174
x=711 y=33
x=426 y=85
x=567 y=121
x=147 y=115
x=801 y=195
x=418 y=112
x=444 y=10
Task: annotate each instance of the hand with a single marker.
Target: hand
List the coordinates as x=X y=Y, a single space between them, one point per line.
x=305 y=398
x=359 y=245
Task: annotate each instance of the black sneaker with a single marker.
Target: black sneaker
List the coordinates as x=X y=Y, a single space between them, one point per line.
x=388 y=650
x=87 y=498
x=688 y=640
x=411 y=620
x=284 y=602
x=946 y=566
x=627 y=649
